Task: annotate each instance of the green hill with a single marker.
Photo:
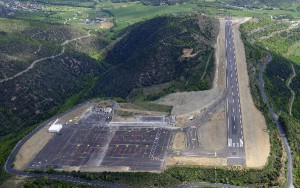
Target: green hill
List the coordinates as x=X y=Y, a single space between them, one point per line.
x=152 y=53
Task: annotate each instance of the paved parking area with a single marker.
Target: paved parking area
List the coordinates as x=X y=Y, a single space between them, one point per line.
x=78 y=143
x=92 y=142
x=138 y=148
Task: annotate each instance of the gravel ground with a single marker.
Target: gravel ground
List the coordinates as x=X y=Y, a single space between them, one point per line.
x=179 y=141
x=213 y=135
x=32 y=147
x=196 y=161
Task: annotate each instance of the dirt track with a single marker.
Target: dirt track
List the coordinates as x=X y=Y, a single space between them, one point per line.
x=257 y=145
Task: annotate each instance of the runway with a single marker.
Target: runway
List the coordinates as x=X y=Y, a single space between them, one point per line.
x=233 y=104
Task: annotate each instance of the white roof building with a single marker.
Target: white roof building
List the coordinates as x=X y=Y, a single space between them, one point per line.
x=108 y=110
x=55 y=128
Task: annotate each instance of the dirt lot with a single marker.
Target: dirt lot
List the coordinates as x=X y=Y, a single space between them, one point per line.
x=72 y=115
x=133 y=112
x=184 y=102
x=123 y=119
x=188 y=52
x=32 y=147
x=257 y=146
x=196 y=161
x=213 y=135
x=179 y=141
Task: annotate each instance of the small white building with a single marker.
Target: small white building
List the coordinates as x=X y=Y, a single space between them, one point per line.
x=191 y=118
x=55 y=128
x=108 y=110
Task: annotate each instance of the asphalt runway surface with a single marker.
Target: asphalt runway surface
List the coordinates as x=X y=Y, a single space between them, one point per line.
x=233 y=105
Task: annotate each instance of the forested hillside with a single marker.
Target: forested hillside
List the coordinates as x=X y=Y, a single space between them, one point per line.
x=39 y=70
x=161 y=50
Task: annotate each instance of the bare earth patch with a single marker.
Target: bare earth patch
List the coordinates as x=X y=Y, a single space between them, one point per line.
x=106 y=25
x=32 y=147
x=179 y=141
x=123 y=119
x=196 y=161
x=73 y=114
x=257 y=145
x=213 y=135
x=133 y=112
x=187 y=52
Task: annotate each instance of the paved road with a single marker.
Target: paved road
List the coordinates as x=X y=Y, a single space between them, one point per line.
x=9 y=163
x=233 y=106
x=280 y=128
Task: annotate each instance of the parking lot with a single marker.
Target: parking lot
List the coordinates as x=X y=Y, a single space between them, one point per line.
x=90 y=141
x=138 y=148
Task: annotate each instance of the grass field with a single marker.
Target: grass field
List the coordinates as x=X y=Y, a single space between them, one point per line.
x=135 y=12
x=129 y=13
x=294 y=50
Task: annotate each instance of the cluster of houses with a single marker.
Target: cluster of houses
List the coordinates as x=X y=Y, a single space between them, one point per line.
x=18 y=5
x=103 y=23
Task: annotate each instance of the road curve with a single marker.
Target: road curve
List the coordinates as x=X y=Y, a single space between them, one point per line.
x=46 y=58
x=9 y=163
x=289 y=183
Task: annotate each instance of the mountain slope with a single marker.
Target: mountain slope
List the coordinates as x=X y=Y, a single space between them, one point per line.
x=28 y=98
x=161 y=50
